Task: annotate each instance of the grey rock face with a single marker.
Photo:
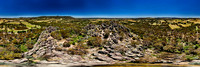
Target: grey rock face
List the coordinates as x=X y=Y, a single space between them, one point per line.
x=19 y=60
x=103 y=58
x=118 y=39
x=44 y=45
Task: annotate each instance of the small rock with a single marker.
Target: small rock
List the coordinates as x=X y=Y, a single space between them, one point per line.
x=195 y=62
x=182 y=63
x=118 y=54
x=19 y=60
x=103 y=52
x=130 y=54
x=103 y=58
x=2 y=61
x=117 y=57
x=76 y=58
x=137 y=58
x=46 y=62
x=110 y=50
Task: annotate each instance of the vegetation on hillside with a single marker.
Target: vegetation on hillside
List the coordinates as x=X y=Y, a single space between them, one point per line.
x=18 y=35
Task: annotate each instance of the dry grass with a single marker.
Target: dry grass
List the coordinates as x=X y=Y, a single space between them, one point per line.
x=185 y=25
x=132 y=20
x=197 y=22
x=156 y=24
x=174 y=26
x=13 y=23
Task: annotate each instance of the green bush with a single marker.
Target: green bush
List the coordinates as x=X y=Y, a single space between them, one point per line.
x=56 y=35
x=23 y=48
x=65 y=33
x=192 y=57
x=9 y=55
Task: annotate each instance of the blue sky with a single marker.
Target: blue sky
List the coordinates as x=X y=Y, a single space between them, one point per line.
x=100 y=8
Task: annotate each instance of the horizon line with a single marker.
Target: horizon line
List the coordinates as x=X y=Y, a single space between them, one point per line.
x=104 y=16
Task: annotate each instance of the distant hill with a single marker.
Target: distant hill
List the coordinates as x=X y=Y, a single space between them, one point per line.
x=56 y=17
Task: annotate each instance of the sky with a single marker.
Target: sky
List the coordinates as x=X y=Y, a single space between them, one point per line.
x=100 y=8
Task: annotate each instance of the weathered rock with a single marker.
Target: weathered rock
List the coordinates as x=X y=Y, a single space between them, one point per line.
x=103 y=52
x=182 y=63
x=47 y=62
x=195 y=62
x=118 y=54
x=110 y=50
x=19 y=60
x=76 y=58
x=130 y=54
x=117 y=58
x=44 y=45
x=2 y=61
x=103 y=58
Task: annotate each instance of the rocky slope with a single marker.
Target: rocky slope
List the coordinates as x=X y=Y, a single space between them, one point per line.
x=118 y=47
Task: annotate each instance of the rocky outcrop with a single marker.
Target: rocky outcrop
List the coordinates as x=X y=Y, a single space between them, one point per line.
x=109 y=54
x=117 y=49
x=44 y=45
x=112 y=32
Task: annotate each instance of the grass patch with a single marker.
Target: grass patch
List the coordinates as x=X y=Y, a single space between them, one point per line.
x=13 y=23
x=185 y=25
x=30 y=26
x=174 y=26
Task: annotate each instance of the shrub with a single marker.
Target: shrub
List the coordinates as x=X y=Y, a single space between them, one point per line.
x=58 y=48
x=77 y=51
x=165 y=55
x=192 y=57
x=80 y=49
x=15 y=41
x=148 y=59
x=23 y=48
x=94 y=41
x=134 y=43
x=197 y=51
x=65 y=33
x=66 y=44
x=169 y=48
x=121 y=48
x=56 y=35
x=9 y=55
x=12 y=47
x=107 y=33
x=30 y=43
x=158 y=45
